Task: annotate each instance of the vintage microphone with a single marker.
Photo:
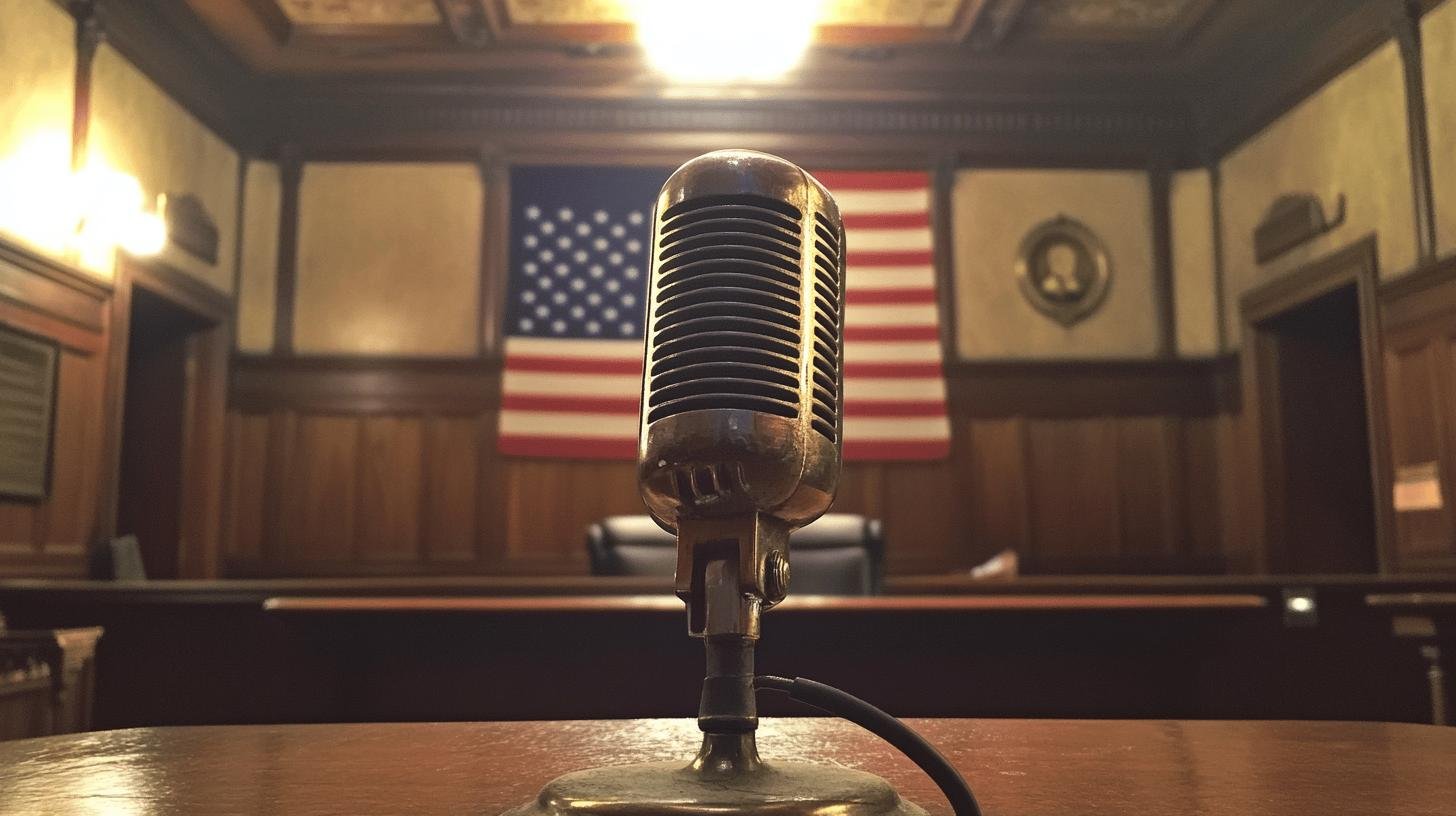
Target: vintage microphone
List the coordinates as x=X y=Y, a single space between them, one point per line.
x=739 y=444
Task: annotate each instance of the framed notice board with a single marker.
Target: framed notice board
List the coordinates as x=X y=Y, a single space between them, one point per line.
x=27 y=413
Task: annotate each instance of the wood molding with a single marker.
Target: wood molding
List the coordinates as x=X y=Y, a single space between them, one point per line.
x=1050 y=389
x=1356 y=265
x=1268 y=76
x=1084 y=388
x=165 y=40
x=364 y=385
x=1419 y=294
x=1164 y=275
x=45 y=285
x=290 y=173
x=1407 y=32
x=90 y=32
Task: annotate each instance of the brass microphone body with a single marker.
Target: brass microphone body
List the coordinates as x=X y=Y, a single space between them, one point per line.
x=739 y=444
x=740 y=428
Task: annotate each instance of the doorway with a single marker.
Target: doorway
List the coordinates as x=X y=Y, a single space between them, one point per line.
x=1312 y=340
x=149 y=499
x=173 y=369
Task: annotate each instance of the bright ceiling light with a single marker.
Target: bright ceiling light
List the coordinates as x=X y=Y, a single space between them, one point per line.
x=697 y=40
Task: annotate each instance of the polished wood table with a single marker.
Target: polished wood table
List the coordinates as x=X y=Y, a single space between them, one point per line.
x=1017 y=767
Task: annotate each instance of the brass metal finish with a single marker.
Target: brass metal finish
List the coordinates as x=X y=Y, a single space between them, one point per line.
x=739 y=444
x=726 y=779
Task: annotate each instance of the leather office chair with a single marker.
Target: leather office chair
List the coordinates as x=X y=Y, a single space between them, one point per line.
x=839 y=554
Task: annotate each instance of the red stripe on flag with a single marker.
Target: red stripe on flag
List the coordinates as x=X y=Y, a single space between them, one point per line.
x=918 y=257
x=881 y=297
x=894 y=408
x=891 y=333
x=572 y=365
x=902 y=450
x=842 y=181
x=897 y=371
x=582 y=405
x=568 y=447
x=886 y=220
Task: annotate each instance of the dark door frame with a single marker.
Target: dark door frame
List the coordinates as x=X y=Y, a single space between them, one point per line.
x=1357 y=264
x=204 y=412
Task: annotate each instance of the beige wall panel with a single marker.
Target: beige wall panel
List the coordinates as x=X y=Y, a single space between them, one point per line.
x=388 y=259
x=138 y=129
x=37 y=72
x=1195 y=288
x=1349 y=138
x=258 y=276
x=1438 y=39
x=993 y=211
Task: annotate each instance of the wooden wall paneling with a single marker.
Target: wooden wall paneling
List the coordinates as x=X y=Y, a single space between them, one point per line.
x=43 y=297
x=247 y=483
x=925 y=517
x=391 y=483
x=1073 y=490
x=1204 y=464
x=549 y=505
x=320 y=489
x=1416 y=363
x=996 y=487
x=449 y=529
x=75 y=477
x=1150 y=486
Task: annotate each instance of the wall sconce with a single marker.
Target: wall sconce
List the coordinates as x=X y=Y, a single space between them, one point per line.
x=111 y=214
x=87 y=214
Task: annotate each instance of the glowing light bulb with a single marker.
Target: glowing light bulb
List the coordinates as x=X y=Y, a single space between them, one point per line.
x=145 y=234
x=745 y=39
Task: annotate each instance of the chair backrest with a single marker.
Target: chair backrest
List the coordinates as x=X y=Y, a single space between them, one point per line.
x=119 y=559
x=839 y=554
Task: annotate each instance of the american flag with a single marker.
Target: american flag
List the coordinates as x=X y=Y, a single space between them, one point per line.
x=577 y=301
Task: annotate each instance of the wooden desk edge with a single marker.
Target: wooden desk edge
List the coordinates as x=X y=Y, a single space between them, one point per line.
x=801 y=604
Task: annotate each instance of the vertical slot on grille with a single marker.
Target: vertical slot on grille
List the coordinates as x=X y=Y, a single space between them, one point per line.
x=828 y=243
x=726 y=300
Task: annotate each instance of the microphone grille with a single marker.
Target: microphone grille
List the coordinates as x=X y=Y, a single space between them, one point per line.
x=828 y=243
x=727 y=317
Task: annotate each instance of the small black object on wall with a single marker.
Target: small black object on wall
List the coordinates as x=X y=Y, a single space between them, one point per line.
x=1294 y=219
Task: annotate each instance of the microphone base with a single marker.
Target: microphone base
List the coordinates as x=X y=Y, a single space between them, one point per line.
x=672 y=789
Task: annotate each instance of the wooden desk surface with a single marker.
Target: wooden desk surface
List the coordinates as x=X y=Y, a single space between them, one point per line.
x=1017 y=767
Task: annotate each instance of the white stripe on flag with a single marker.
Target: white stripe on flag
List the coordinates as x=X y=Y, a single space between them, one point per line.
x=899 y=351
x=586 y=349
x=890 y=277
x=866 y=429
x=887 y=240
x=557 y=384
x=882 y=202
x=897 y=314
x=594 y=426
x=893 y=388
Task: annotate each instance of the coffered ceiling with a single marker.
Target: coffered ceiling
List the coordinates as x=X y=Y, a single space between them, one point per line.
x=1183 y=77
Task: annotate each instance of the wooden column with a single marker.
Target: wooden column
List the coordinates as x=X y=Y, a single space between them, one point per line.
x=290 y=171
x=1159 y=186
x=943 y=224
x=494 y=251
x=1220 y=297
x=1406 y=27
x=90 y=33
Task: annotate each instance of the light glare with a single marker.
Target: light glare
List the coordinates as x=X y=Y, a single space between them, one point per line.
x=745 y=39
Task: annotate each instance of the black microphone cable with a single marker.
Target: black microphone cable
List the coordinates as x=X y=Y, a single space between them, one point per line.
x=904 y=738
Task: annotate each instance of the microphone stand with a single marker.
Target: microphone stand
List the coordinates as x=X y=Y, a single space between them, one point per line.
x=729 y=570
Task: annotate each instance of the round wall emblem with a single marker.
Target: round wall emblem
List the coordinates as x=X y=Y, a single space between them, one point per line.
x=1064 y=270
